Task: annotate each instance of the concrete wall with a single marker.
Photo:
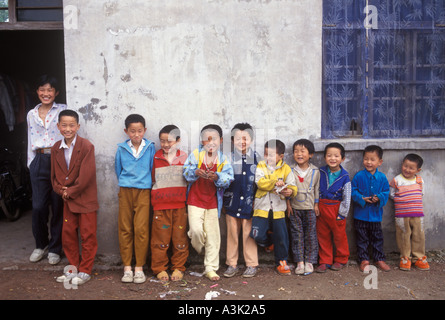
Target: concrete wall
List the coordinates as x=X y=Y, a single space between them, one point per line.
x=433 y=152
x=197 y=62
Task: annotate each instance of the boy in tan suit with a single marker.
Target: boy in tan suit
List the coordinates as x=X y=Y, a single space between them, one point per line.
x=73 y=176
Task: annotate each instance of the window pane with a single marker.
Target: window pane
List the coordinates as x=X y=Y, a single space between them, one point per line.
x=342 y=71
x=4 y=16
x=393 y=84
x=44 y=10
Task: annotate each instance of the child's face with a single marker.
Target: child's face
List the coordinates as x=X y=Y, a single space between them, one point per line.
x=302 y=155
x=409 y=169
x=371 y=161
x=211 y=140
x=272 y=157
x=68 y=127
x=242 y=141
x=333 y=158
x=168 y=143
x=135 y=132
x=47 y=94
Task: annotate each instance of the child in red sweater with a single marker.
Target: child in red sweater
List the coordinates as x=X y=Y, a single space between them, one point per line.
x=168 y=197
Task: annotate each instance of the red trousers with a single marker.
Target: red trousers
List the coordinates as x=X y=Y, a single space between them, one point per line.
x=86 y=224
x=331 y=231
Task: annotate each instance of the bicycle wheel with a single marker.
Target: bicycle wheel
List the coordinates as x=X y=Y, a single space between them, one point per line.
x=7 y=202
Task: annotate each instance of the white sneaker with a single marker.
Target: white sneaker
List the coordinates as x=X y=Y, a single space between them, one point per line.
x=308 y=268
x=53 y=258
x=37 y=254
x=81 y=278
x=128 y=277
x=299 y=269
x=66 y=277
x=139 y=277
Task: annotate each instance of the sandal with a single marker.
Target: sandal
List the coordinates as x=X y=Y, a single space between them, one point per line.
x=177 y=275
x=212 y=275
x=163 y=276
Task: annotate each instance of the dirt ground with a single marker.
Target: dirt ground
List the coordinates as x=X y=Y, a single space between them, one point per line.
x=22 y=280
x=28 y=281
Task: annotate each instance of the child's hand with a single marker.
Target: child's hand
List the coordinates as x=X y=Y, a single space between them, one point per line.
x=316 y=209
x=65 y=193
x=289 y=208
x=286 y=192
x=373 y=199
x=212 y=175
x=201 y=173
x=368 y=199
x=280 y=183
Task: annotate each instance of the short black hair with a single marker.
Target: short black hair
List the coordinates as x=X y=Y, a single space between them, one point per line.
x=305 y=143
x=335 y=145
x=276 y=144
x=414 y=158
x=171 y=129
x=243 y=127
x=214 y=127
x=48 y=79
x=374 y=148
x=69 y=113
x=134 y=118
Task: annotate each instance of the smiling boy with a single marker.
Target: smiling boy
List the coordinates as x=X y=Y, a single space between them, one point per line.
x=238 y=202
x=73 y=176
x=275 y=182
x=407 y=190
x=168 y=198
x=335 y=199
x=370 y=191
x=133 y=165
x=208 y=173
x=303 y=208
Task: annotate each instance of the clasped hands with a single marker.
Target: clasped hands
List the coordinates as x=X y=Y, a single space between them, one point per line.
x=371 y=199
x=206 y=174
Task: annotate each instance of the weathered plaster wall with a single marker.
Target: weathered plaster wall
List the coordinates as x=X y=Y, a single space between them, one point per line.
x=433 y=152
x=224 y=61
x=190 y=63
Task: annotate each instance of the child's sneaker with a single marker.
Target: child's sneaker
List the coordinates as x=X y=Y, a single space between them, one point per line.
x=250 y=272
x=283 y=268
x=308 y=268
x=139 y=277
x=127 y=277
x=300 y=268
x=268 y=249
x=405 y=264
x=231 y=271
x=422 y=264
x=81 y=278
x=383 y=266
x=337 y=266
x=321 y=268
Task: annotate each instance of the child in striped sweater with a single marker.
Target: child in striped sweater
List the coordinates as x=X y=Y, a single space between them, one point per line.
x=407 y=191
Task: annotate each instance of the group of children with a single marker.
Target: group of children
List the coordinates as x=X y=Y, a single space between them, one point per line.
x=300 y=211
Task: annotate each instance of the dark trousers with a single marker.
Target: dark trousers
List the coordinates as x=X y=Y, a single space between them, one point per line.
x=279 y=236
x=303 y=235
x=43 y=197
x=369 y=234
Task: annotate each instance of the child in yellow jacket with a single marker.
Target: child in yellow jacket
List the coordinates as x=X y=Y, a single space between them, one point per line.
x=275 y=182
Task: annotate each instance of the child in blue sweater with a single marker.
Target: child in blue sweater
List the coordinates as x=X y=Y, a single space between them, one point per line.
x=133 y=164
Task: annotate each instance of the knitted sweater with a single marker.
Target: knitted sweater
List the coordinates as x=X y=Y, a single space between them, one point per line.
x=169 y=186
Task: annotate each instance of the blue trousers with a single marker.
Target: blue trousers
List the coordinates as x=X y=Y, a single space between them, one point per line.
x=43 y=197
x=279 y=236
x=369 y=234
